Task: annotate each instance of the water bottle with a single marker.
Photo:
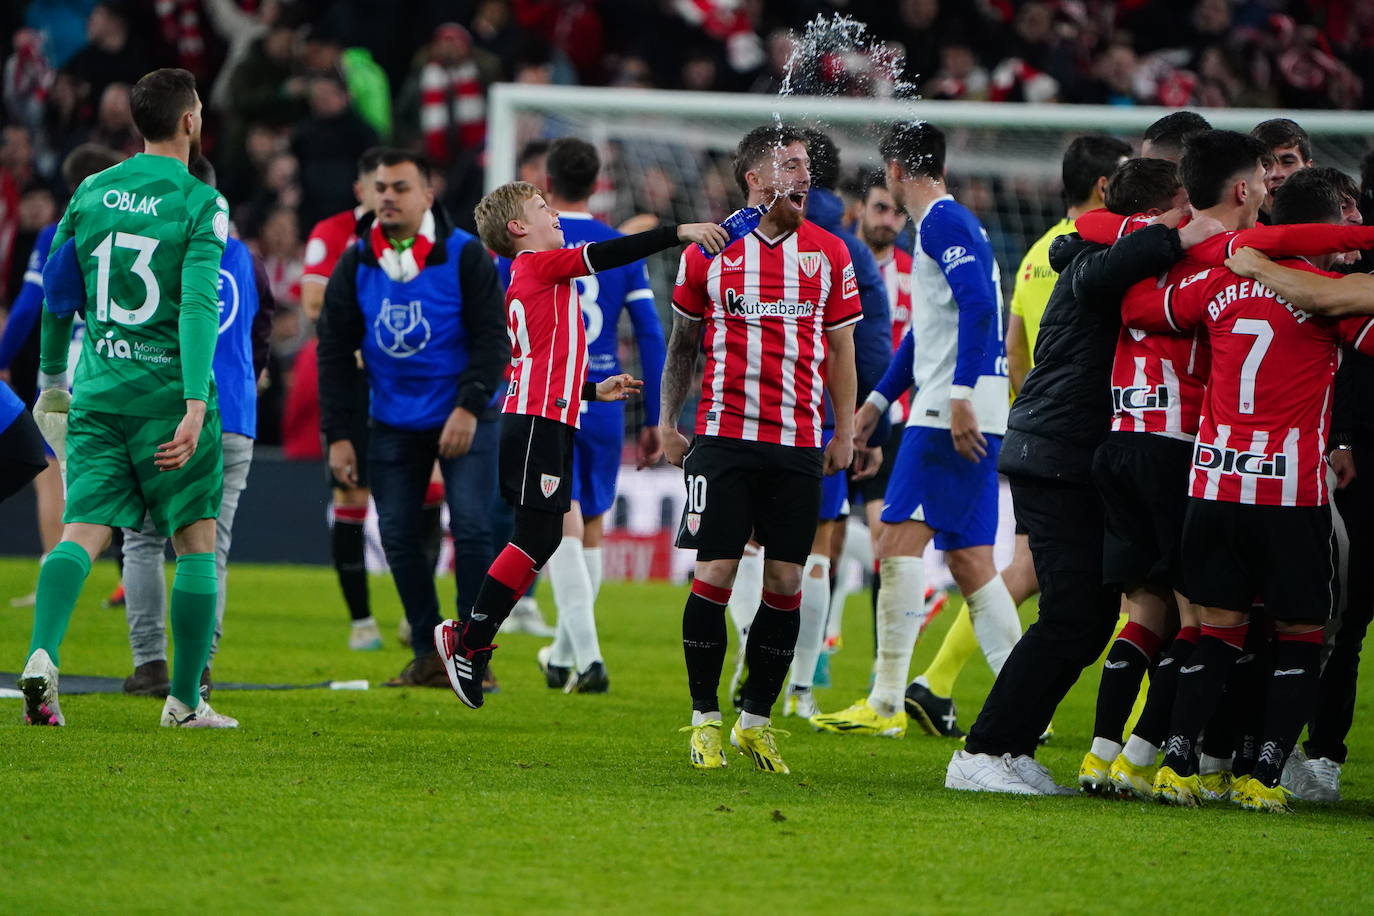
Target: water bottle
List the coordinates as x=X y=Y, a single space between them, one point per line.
x=739 y=224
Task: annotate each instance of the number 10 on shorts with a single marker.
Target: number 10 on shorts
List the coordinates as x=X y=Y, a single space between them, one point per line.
x=696 y=502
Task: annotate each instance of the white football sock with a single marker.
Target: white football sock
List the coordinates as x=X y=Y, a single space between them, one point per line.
x=1106 y=748
x=1140 y=752
x=1208 y=764
x=994 y=621
x=572 y=591
x=901 y=610
x=749 y=720
x=700 y=717
x=815 y=599
x=748 y=591
x=592 y=557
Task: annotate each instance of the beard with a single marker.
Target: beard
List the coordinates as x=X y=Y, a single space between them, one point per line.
x=785 y=216
x=880 y=237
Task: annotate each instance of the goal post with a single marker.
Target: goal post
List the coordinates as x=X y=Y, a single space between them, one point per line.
x=669 y=152
x=1339 y=137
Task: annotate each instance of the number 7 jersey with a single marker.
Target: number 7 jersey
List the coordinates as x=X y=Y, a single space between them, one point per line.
x=1267 y=408
x=149 y=238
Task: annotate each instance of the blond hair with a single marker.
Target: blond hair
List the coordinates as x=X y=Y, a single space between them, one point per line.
x=497 y=209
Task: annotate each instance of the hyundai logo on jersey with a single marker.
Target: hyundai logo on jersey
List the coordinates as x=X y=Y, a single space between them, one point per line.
x=401 y=328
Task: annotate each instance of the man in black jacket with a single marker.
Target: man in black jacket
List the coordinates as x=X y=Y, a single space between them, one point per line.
x=421 y=300
x=1058 y=420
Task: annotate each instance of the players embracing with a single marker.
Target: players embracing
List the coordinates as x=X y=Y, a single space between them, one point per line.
x=774 y=313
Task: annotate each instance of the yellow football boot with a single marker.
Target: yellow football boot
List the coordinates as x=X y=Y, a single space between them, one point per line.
x=861 y=719
x=1094 y=775
x=760 y=744
x=1252 y=795
x=1217 y=786
x=704 y=747
x=1180 y=791
x=1129 y=780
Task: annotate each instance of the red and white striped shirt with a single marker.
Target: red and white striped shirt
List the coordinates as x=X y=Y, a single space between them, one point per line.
x=767 y=305
x=1267 y=409
x=897 y=278
x=548 y=339
x=1158 y=380
x=329 y=239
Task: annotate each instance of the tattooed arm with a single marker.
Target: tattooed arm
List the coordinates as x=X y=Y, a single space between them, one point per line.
x=678 y=371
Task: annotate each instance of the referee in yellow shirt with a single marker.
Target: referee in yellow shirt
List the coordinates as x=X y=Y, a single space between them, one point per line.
x=1088 y=163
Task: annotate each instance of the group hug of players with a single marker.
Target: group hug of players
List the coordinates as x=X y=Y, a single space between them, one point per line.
x=1167 y=455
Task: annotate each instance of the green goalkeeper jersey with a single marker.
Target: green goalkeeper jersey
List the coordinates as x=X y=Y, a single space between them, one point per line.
x=149 y=238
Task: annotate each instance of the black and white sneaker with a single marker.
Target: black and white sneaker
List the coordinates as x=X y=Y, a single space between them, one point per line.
x=593 y=680
x=556 y=676
x=466 y=668
x=935 y=714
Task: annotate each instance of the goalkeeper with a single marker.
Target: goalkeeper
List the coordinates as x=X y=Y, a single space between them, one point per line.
x=141 y=431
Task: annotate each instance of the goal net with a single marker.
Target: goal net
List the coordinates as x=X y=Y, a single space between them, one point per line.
x=669 y=154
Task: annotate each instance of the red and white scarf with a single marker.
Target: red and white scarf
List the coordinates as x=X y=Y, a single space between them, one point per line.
x=403 y=266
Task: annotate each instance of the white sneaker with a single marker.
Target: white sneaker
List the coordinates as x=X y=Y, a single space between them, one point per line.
x=1296 y=777
x=176 y=714
x=365 y=637
x=1034 y=773
x=1326 y=779
x=39 y=684
x=800 y=702
x=985 y=773
x=28 y=600
x=403 y=632
x=525 y=617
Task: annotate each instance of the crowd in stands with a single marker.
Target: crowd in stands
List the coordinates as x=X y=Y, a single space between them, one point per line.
x=295 y=90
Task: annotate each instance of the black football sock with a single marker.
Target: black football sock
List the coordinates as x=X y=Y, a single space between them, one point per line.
x=511 y=574
x=704 y=640
x=346 y=541
x=769 y=650
x=1127 y=660
x=1252 y=697
x=1201 y=680
x=1153 y=724
x=1243 y=685
x=1292 y=695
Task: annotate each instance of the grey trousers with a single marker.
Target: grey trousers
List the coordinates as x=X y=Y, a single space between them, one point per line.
x=145 y=582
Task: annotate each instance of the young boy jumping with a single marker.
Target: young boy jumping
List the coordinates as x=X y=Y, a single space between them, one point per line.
x=544 y=401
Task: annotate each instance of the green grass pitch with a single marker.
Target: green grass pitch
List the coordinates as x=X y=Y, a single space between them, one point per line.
x=405 y=801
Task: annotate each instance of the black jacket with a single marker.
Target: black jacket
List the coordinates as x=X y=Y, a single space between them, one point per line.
x=342 y=326
x=1065 y=406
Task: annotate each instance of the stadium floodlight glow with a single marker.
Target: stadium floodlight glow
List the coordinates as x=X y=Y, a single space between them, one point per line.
x=509 y=100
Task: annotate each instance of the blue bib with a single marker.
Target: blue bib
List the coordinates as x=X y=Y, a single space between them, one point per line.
x=233 y=365
x=414 y=343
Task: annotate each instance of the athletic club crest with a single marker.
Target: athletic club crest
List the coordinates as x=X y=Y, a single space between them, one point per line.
x=693 y=523
x=548 y=484
x=810 y=262
x=401 y=328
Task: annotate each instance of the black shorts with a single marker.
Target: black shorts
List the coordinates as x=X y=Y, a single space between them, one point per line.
x=358 y=435
x=736 y=489
x=1235 y=554
x=872 y=489
x=536 y=463
x=1143 y=481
